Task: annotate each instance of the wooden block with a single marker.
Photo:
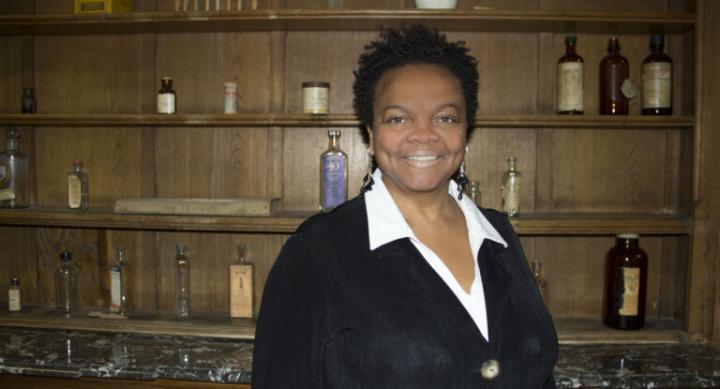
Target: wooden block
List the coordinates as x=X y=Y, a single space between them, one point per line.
x=215 y=207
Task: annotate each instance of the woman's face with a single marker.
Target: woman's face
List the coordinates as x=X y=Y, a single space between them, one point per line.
x=419 y=127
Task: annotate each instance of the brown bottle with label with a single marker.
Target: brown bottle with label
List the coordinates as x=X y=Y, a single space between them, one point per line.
x=614 y=71
x=657 y=79
x=625 y=284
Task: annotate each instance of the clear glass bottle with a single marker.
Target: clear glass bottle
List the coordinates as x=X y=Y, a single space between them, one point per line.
x=333 y=174
x=511 y=189
x=241 y=285
x=657 y=79
x=118 y=299
x=570 y=75
x=28 y=103
x=78 y=194
x=625 y=284
x=182 y=282
x=14 y=301
x=166 y=97
x=539 y=279
x=65 y=283
x=474 y=192
x=614 y=73
x=13 y=173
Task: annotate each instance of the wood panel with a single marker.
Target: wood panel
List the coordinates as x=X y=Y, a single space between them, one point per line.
x=11 y=74
x=18 y=257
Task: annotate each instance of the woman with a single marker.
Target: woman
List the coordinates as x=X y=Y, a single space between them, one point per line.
x=409 y=285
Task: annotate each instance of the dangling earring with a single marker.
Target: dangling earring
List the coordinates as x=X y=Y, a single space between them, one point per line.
x=368 y=179
x=462 y=181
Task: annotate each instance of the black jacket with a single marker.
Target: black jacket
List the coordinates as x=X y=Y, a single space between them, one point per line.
x=336 y=315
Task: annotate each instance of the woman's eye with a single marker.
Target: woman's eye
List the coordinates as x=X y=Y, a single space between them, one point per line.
x=446 y=119
x=395 y=120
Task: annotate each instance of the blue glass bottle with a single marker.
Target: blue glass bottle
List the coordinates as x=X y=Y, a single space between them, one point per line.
x=333 y=174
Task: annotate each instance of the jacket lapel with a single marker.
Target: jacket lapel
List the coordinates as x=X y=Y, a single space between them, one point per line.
x=495 y=260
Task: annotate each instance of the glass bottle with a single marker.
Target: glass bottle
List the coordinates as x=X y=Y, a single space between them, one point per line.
x=511 y=189
x=333 y=174
x=614 y=71
x=657 y=79
x=474 y=192
x=570 y=75
x=118 y=299
x=539 y=279
x=182 y=282
x=14 y=301
x=65 y=283
x=78 y=187
x=13 y=173
x=625 y=284
x=28 y=102
x=166 y=98
x=241 y=285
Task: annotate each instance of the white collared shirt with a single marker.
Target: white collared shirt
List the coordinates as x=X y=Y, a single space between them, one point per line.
x=387 y=224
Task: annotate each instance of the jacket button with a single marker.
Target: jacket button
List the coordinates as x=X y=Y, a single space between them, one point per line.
x=490 y=369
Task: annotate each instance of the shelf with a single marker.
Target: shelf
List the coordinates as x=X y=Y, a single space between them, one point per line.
x=359 y=20
x=570 y=330
x=339 y=120
x=288 y=221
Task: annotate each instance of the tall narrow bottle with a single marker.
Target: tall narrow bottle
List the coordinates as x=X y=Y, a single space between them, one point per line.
x=65 y=283
x=333 y=174
x=118 y=299
x=511 y=189
x=570 y=75
x=614 y=71
x=625 y=284
x=13 y=173
x=182 y=282
x=657 y=79
x=78 y=193
x=241 y=285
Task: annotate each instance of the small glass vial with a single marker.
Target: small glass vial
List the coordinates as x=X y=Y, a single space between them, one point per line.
x=539 y=279
x=241 y=285
x=182 y=282
x=13 y=173
x=570 y=75
x=117 y=283
x=474 y=192
x=316 y=97
x=230 y=97
x=511 y=189
x=28 y=102
x=65 y=283
x=14 y=301
x=333 y=174
x=166 y=98
x=657 y=79
x=78 y=187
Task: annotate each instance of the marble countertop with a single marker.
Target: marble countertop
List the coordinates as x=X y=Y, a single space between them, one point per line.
x=74 y=354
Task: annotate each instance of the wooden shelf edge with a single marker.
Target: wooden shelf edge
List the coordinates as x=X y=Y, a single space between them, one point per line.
x=592 y=331
x=289 y=221
x=308 y=19
x=337 y=120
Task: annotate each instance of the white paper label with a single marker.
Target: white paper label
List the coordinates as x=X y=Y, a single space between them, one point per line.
x=166 y=103
x=656 y=85
x=315 y=100
x=74 y=189
x=115 y=290
x=570 y=86
x=14 y=300
x=631 y=291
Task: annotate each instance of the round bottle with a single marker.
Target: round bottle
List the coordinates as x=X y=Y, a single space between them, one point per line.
x=614 y=71
x=65 y=283
x=625 y=284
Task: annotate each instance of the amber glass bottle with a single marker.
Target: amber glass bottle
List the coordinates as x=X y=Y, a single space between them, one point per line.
x=570 y=74
x=614 y=70
x=625 y=284
x=657 y=80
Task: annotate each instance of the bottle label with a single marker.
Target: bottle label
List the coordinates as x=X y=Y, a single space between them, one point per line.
x=333 y=181
x=241 y=290
x=166 y=103
x=570 y=86
x=315 y=100
x=630 y=277
x=657 y=84
x=115 y=291
x=74 y=191
x=14 y=300
x=4 y=175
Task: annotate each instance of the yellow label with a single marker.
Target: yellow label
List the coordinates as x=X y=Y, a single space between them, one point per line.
x=315 y=100
x=241 y=291
x=74 y=191
x=631 y=291
x=14 y=300
x=656 y=85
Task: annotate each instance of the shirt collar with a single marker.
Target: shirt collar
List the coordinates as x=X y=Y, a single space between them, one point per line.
x=386 y=224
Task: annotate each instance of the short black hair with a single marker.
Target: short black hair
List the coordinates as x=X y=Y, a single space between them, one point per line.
x=416 y=44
